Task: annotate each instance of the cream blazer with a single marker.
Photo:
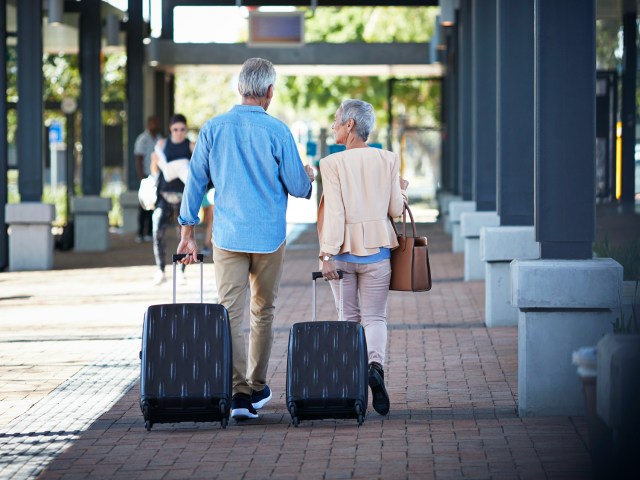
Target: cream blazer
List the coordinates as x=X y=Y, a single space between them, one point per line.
x=361 y=189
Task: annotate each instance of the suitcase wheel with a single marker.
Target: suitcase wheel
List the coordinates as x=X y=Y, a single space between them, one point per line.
x=294 y=418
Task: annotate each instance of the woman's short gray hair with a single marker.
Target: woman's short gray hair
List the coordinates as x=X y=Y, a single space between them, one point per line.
x=255 y=77
x=362 y=114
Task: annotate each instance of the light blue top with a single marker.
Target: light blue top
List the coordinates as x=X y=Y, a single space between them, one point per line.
x=253 y=162
x=383 y=254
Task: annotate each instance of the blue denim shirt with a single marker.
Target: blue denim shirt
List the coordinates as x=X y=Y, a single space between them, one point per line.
x=253 y=162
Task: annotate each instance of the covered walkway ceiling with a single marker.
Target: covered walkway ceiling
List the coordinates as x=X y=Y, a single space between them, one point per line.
x=311 y=59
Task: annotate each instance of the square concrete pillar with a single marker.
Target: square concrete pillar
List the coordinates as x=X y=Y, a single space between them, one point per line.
x=91 y=228
x=30 y=237
x=444 y=201
x=456 y=209
x=564 y=305
x=498 y=247
x=130 y=208
x=470 y=225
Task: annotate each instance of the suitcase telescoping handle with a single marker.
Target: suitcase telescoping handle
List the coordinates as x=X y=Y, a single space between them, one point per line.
x=180 y=256
x=314 y=277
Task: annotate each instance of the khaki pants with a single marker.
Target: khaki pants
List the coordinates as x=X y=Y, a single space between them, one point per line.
x=261 y=272
x=366 y=290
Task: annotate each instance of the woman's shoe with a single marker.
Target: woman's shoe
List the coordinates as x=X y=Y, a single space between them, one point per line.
x=376 y=382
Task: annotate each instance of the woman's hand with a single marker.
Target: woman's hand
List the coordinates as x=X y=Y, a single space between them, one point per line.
x=310 y=172
x=329 y=271
x=403 y=184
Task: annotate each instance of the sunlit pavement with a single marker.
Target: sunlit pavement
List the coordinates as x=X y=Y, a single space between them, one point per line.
x=69 y=383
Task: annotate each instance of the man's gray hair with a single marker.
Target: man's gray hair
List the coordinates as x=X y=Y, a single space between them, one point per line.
x=362 y=114
x=255 y=77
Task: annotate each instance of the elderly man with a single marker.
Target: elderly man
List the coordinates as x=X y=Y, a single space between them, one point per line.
x=253 y=162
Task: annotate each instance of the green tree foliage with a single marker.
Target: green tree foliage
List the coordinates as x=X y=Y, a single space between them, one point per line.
x=370 y=24
x=200 y=96
x=316 y=98
x=418 y=102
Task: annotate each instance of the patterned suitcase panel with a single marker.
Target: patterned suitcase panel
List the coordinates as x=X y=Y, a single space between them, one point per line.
x=327 y=370
x=186 y=359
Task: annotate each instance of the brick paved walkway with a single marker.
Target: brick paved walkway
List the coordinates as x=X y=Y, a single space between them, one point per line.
x=452 y=383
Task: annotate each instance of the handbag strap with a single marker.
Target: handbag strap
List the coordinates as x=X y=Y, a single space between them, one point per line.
x=405 y=209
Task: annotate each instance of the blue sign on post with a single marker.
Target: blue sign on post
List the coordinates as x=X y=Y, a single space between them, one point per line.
x=312 y=149
x=335 y=148
x=55 y=132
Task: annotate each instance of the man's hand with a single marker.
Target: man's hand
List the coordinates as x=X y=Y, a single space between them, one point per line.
x=310 y=172
x=188 y=245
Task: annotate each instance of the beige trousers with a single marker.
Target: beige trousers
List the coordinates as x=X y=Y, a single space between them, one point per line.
x=366 y=290
x=261 y=272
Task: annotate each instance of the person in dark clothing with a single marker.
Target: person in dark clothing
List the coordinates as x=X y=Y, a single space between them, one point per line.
x=170 y=161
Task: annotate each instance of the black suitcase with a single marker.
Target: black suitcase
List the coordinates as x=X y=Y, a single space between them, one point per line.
x=186 y=361
x=327 y=368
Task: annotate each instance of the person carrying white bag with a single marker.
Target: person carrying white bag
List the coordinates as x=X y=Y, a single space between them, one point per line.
x=170 y=161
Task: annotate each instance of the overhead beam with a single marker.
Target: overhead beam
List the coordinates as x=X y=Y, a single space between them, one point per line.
x=167 y=53
x=307 y=3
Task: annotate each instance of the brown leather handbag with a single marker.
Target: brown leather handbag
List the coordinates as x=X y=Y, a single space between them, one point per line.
x=410 y=269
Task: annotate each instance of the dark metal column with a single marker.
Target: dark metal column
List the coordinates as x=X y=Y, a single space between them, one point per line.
x=629 y=106
x=30 y=143
x=565 y=127
x=484 y=104
x=160 y=98
x=515 y=60
x=135 y=87
x=465 y=153
x=91 y=93
x=4 y=161
x=445 y=140
x=167 y=19
x=451 y=108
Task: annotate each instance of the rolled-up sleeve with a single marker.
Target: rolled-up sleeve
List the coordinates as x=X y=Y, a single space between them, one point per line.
x=292 y=173
x=397 y=199
x=334 y=213
x=197 y=181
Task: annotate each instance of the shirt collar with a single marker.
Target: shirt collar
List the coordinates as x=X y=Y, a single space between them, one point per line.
x=249 y=108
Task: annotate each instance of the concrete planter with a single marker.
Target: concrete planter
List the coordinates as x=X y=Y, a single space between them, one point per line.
x=618 y=403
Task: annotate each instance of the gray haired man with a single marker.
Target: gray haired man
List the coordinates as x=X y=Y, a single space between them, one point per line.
x=253 y=162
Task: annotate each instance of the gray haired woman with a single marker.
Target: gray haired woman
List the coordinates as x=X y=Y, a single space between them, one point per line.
x=362 y=187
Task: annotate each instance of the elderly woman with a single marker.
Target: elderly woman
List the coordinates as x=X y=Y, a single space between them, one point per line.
x=362 y=188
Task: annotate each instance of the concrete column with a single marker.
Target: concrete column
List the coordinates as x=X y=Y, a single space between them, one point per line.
x=563 y=305
x=30 y=238
x=470 y=225
x=498 y=247
x=130 y=208
x=91 y=229
x=456 y=209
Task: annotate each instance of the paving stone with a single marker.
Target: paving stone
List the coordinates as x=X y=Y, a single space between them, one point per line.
x=69 y=388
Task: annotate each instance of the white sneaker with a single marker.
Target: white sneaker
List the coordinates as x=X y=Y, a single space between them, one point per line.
x=159 y=277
